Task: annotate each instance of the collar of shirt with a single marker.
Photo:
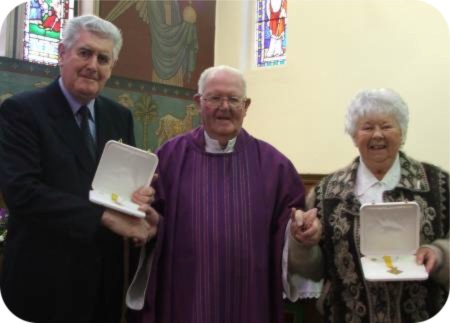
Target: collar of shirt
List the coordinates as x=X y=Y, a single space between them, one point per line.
x=367 y=185
x=73 y=103
x=212 y=145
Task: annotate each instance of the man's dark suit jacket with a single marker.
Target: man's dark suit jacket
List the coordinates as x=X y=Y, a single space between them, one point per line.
x=58 y=257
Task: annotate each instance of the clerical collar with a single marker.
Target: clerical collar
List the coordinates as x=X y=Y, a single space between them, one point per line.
x=368 y=188
x=73 y=103
x=212 y=145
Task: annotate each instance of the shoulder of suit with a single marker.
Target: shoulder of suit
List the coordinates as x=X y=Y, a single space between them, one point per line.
x=103 y=100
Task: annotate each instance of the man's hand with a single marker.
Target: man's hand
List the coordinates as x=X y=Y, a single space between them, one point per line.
x=306 y=227
x=145 y=196
x=137 y=229
x=152 y=217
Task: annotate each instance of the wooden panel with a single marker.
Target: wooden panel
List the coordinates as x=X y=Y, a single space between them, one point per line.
x=311 y=180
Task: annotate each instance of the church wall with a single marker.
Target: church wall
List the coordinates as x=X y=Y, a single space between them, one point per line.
x=335 y=49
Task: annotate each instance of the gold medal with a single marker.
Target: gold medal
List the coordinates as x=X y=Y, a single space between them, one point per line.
x=115 y=198
x=392 y=269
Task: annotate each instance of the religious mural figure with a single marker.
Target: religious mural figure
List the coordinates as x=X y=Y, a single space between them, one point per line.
x=170 y=126
x=174 y=43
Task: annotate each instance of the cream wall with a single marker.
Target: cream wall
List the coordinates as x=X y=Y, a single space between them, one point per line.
x=335 y=49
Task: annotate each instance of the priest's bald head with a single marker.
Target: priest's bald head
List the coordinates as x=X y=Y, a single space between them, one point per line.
x=222 y=102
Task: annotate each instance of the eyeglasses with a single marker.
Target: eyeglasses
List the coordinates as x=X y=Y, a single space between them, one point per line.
x=216 y=100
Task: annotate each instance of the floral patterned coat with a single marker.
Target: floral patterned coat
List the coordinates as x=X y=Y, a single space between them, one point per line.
x=347 y=296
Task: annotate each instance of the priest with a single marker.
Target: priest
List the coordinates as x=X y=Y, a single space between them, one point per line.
x=226 y=199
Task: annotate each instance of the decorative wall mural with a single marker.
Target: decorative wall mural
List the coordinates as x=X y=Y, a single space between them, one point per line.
x=167 y=42
x=171 y=126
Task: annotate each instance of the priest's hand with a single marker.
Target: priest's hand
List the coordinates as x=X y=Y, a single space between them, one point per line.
x=145 y=194
x=306 y=227
x=427 y=257
x=137 y=229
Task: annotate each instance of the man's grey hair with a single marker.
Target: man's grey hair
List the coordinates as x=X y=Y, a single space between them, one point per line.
x=95 y=25
x=211 y=71
x=377 y=101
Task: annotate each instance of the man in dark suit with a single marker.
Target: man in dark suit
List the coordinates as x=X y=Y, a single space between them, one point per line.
x=63 y=259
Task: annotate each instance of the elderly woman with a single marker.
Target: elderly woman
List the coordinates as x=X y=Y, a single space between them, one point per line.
x=377 y=121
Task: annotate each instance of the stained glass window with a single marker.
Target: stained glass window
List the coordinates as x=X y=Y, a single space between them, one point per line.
x=44 y=24
x=271 y=31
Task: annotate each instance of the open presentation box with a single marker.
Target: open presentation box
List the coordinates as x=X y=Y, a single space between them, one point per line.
x=122 y=169
x=390 y=234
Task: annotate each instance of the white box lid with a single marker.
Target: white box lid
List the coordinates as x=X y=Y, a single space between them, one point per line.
x=122 y=169
x=390 y=228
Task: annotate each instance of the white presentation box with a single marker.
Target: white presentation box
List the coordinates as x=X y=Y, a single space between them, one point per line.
x=390 y=234
x=122 y=170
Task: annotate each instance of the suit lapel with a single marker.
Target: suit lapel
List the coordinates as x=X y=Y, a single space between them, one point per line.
x=66 y=127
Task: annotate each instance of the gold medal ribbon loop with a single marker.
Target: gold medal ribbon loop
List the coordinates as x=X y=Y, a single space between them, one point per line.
x=390 y=265
x=115 y=198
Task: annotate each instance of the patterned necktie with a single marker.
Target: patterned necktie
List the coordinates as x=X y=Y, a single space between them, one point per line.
x=86 y=131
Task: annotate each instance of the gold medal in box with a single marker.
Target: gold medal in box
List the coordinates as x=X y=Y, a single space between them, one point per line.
x=121 y=171
x=389 y=241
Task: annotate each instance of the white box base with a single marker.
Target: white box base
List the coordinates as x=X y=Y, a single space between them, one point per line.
x=125 y=206
x=375 y=269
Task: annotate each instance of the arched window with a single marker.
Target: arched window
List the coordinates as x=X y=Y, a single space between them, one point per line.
x=271 y=32
x=44 y=24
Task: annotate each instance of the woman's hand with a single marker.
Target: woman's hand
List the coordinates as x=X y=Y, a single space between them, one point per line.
x=306 y=227
x=427 y=257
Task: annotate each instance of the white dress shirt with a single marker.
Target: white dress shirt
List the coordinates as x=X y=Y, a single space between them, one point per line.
x=369 y=189
x=213 y=146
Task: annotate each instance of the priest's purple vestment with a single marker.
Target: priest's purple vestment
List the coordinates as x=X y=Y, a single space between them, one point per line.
x=218 y=251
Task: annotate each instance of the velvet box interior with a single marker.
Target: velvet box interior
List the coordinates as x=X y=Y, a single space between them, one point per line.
x=122 y=170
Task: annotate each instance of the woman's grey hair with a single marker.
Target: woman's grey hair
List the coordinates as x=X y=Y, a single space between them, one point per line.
x=211 y=71
x=377 y=101
x=93 y=24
